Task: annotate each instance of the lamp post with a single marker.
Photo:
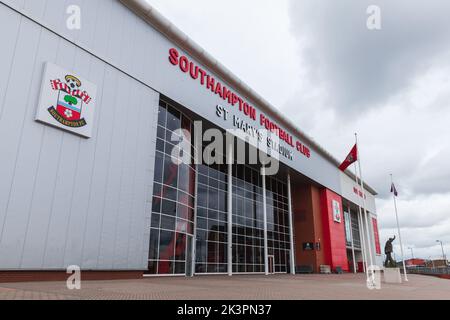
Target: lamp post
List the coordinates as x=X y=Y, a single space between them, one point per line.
x=443 y=253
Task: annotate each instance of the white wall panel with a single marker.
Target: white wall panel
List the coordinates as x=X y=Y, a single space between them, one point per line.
x=98 y=176
x=15 y=201
x=348 y=186
x=64 y=199
x=30 y=159
x=77 y=204
x=37 y=8
x=64 y=163
x=122 y=38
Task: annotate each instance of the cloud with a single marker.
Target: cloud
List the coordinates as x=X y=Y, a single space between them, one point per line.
x=416 y=213
x=251 y=38
x=361 y=69
x=319 y=64
x=423 y=221
x=390 y=86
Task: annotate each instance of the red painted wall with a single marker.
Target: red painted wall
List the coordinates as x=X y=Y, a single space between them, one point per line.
x=334 y=232
x=307 y=225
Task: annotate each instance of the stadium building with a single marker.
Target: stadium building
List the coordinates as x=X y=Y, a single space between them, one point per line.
x=91 y=122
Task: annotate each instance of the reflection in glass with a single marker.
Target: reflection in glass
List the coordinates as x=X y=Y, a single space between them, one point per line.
x=173 y=195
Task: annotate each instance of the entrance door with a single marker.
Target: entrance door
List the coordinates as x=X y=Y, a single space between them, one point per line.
x=288 y=262
x=271 y=264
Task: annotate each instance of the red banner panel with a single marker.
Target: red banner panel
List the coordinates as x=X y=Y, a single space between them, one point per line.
x=376 y=235
x=333 y=230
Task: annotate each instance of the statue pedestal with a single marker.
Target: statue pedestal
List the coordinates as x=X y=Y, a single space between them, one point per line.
x=392 y=275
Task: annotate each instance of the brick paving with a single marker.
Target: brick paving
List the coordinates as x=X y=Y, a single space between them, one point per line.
x=280 y=287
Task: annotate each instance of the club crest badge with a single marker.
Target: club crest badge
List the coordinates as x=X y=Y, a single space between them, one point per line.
x=337 y=217
x=350 y=158
x=67 y=101
x=69 y=105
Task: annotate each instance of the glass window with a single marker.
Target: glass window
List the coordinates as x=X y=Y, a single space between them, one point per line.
x=173 y=195
x=184 y=181
x=161 y=134
x=158 y=167
x=165 y=267
x=170 y=176
x=167 y=245
x=173 y=119
x=160 y=145
x=202 y=196
x=201 y=251
x=154 y=241
x=180 y=247
x=169 y=207
x=182 y=226
x=202 y=213
x=156 y=218
x=156 y=205
x=162 y=114
x=170 y=193
x=167 y=222
x=175 y=188
x=183 y=212
x=202 y=223
x=202 y=179
x=180 y=268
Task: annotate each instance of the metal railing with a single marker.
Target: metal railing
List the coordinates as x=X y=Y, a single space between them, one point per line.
x=429 y=270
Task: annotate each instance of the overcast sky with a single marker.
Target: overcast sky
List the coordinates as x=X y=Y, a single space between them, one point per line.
x=318 y=63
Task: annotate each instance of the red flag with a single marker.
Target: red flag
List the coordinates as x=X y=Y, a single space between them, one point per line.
x=351 y=158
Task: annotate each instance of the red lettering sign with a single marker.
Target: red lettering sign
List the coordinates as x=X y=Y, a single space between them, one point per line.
x=219 y=89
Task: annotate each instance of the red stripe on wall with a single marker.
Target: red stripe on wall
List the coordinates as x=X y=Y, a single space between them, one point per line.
x=376 y=235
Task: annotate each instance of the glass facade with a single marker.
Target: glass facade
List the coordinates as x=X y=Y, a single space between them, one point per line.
x=278 y=223
x=172 y=222
x=182 y=195
x=212 y=217
x=354 y=225
x=248 y=220
x=355 y=230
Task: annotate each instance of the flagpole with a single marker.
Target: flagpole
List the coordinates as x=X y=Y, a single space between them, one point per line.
x=361 y=230
x=365 y=214
x=363 y=242
x=398 y=227
x=351 y=235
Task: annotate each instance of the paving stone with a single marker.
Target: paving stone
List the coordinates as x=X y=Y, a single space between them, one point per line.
x=280 y=287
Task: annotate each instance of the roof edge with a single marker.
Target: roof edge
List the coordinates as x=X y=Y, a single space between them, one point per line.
x=163 y=25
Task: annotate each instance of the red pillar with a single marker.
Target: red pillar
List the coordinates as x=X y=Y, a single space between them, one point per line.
x=334 y=243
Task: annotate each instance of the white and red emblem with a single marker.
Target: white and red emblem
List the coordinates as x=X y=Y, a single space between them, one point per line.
x=69 y=103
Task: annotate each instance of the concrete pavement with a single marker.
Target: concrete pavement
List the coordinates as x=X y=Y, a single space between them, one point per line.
x=279 y=287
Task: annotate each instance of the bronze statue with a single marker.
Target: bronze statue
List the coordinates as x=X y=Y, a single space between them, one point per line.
x=388 y=249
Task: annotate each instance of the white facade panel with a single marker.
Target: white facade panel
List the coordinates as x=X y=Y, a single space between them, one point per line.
x=352 y=191
x=129 y=43
x=67 y=200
